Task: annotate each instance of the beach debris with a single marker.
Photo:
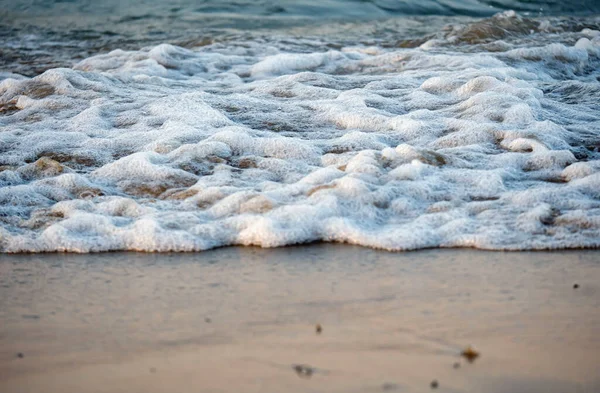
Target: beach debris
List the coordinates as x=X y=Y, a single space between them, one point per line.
x=389 y=386
x=152 y=370
x=303 y=370
x=434 y=384
x=20 y=355
x=319 y=328
x=575 y=286
x=207 y=320
x=470 y=353
x=456 y=365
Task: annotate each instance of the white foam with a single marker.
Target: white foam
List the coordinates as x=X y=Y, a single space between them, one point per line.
x=171 y=149
x=286 y=63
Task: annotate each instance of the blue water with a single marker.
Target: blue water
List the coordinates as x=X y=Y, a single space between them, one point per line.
x=41 y=34
x=149 y=9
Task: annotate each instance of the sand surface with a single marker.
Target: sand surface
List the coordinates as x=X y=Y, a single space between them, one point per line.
x=239 y=319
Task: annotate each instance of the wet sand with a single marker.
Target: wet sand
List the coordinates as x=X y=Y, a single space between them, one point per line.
x=240 y=319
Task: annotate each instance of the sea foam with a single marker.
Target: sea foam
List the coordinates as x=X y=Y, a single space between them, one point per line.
x=172 y=149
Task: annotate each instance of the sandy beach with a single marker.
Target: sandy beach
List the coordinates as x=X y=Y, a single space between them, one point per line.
x=300 y=196
x=244 y=320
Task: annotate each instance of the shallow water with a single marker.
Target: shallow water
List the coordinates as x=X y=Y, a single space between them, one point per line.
x=355 y=122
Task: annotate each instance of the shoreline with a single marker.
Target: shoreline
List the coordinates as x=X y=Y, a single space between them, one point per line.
x=240 y=319
x=308 y=244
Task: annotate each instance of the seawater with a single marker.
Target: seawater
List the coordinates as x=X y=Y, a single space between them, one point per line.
x=189 y=125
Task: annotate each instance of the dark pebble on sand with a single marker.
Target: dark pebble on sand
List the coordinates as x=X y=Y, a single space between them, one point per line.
x=152 y=370
x=434 y=384
x=319 y=328
x=207 y=320
x=456 y=365
x=575 y=286
x=303 y=370
x=470 y=354
x=20 y=355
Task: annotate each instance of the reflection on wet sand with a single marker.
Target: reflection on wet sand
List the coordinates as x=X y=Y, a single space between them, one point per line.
x=245 y=319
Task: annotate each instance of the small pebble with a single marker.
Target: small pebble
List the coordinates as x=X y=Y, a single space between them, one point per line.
x=207 y=320
x=434 y=384
x=303 y=370
x=152 y=370
x=20 y=355
x=456 y=365
x=319 y=328
x=470 y=354
x=575 y=286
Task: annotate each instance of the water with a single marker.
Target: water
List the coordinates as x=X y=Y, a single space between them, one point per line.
x=43 y=34
x=185 y=125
